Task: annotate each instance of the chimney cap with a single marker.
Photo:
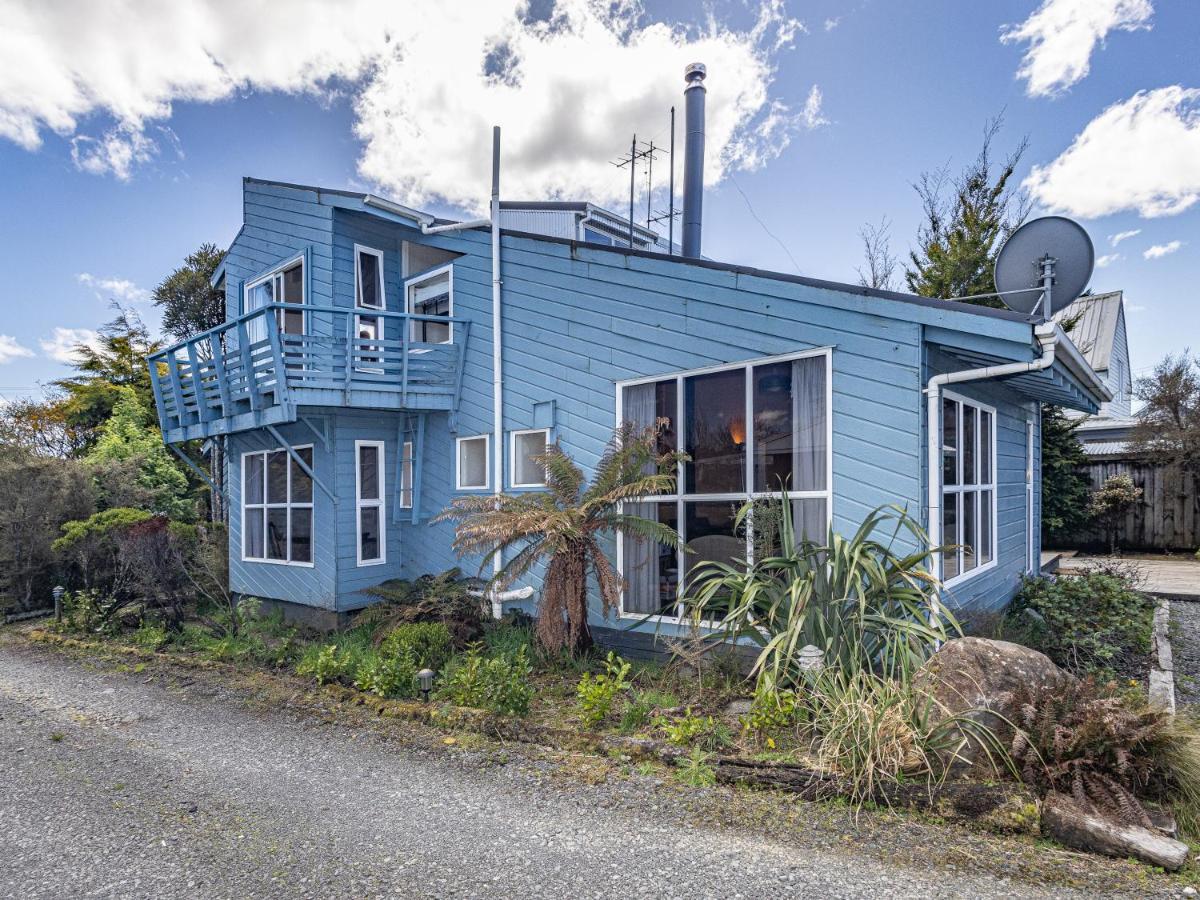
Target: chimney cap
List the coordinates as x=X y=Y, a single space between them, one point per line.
x=694 y=73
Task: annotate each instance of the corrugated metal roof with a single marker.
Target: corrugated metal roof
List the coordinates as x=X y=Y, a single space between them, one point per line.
x=1095 y=326
x=1105 y=448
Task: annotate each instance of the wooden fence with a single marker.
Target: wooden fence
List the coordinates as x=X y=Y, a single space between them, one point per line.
x=1167 y=518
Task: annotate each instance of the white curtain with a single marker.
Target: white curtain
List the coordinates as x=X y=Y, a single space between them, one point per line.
x=640 y=561
x=809 y=421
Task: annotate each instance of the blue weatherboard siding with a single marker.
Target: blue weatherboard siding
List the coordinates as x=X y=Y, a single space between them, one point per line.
x=577 y=320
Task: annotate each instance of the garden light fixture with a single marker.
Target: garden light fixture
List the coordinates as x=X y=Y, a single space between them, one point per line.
x=425 y=680
x=58 y=592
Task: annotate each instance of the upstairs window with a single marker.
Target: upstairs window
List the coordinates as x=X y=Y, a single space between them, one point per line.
x=283 y=285
x=368 y=295
x=968 y=488
x=471 y=469
x=369 y=502
x=526 y=470
x=432 y=294
x=277 y=507
x=406 y=476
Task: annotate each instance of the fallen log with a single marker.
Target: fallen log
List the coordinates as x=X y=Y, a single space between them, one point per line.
x=1069 y=824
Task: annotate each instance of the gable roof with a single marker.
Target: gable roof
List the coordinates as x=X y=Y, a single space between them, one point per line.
x=1095 y=329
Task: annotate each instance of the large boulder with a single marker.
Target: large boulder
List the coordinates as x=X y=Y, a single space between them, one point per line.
x=979 y=678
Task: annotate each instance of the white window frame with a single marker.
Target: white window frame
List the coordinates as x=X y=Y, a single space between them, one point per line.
x=361 y=250
x=289 y=504
x=406 y=475
x=379 y=503
x=978 y=488
x=681 y=499
x=277 y=272
x=416 y=281
x=487 y=458
x=512 y=457
x=1033 y=563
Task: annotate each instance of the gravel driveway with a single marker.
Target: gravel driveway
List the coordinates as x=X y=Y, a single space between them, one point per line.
x=125 y=785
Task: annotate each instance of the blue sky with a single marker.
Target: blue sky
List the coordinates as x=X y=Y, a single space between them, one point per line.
x=826 y=113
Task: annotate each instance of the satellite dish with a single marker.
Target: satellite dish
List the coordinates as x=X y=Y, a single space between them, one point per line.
x=1052 y=249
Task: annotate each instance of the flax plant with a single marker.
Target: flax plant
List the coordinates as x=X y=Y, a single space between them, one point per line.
x=866 y=605
x=565 y=527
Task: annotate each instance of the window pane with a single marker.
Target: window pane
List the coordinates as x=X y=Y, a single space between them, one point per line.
x=431 y=298
x=472 y=463
x=527 y=447
x=949 y=442
x=949 y=536
x=368 y=525
x=651 y=570
x=808 y=387
x=644 y=404
x=293 y=284
x=302 y=489
x=252 y=539
x=406 y=476
x=368 y=280
x=277 y=468
x=968 y=531
x=774 y=428
x=665 y=407
x=710 y=533
x=985 y=447
x=716 y=432
x=368 y=473
x=968 y=444
x=985 y=528
x=809 y=520
x=277 y=532
x=253 y=484
x=301 y=535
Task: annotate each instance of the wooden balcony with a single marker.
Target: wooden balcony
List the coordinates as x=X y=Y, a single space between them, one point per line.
x=248 y=373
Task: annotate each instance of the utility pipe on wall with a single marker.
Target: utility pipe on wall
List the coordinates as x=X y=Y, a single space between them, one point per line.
x=1047 y=337
x=497 y=345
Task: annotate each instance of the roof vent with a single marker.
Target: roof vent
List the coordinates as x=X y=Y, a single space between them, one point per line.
x=693 y=157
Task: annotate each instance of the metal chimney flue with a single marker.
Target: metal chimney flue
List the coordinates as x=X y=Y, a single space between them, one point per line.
x=693 y=157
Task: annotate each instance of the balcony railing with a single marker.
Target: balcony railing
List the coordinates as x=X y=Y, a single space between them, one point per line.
x=249 y=371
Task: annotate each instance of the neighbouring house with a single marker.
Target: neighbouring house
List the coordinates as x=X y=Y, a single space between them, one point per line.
x=1096 y=324
x=378 y=362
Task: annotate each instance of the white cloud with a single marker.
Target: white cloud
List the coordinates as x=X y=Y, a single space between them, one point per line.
x=113 y=288
x=813 y=116
x=1160 y=250
x=1115 y=239
x=1062 y=34
x=1134 y=308
x=427 y=80
x=1107 y=260
x=63 y=344
x=11 y=349
x=1141 y=154
x=831 y=24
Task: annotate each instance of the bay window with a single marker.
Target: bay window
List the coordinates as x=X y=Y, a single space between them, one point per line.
x=968 y=488
x=277 y=507
x=751 y=431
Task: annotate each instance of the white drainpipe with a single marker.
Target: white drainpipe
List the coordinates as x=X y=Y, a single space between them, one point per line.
x=1047 y=336
x=497 y=351
x=455 y=226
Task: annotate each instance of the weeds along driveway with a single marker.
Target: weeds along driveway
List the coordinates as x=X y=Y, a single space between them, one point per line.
x=163 y=784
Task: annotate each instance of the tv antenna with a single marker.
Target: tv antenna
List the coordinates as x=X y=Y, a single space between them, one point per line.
x=647 y=152
x=1044 y=265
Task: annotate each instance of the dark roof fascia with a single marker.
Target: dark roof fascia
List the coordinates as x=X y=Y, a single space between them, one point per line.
x=860 y=290
x=571 y=205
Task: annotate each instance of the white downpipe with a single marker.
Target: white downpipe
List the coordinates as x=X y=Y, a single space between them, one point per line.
x=497 y=351
x=1047 y=336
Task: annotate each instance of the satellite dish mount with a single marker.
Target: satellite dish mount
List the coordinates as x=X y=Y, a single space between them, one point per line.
x=1044 y=265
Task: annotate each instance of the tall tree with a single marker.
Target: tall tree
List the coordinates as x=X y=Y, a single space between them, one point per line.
x=1169 y=422
x=966 y=220
x=877 y=253
x=1065 y=489
x=189 y=302
x=117 y=362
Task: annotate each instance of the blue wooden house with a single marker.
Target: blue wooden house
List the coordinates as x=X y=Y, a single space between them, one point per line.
x=377 y=362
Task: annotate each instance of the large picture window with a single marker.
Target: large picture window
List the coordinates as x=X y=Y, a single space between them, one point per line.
x=369 y=502
x=968 y=488
x=751 y=431
x=277 y=507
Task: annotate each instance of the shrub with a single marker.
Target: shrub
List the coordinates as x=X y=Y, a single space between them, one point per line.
x=597 y=693
x=324 y=663
x=1111 y=502
x=150 y=635
x=1093 y=622
x=388 y=674
x=509 y=635
x=695 y=770
x=428 y=643
x=703 y=732
x=499 y=683
x=444 y=598
x=641 y=709
x=1085 y=740
x=772 y=713
x=859 y=600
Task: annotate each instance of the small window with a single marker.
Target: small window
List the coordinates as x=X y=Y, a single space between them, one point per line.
x=283 y=285
x=472 y=469
x=968 y=487
x=432 y=295
x=406 y=476
x=277 y=507
x=527 y=446
x=370 y=504
x=368 y=278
